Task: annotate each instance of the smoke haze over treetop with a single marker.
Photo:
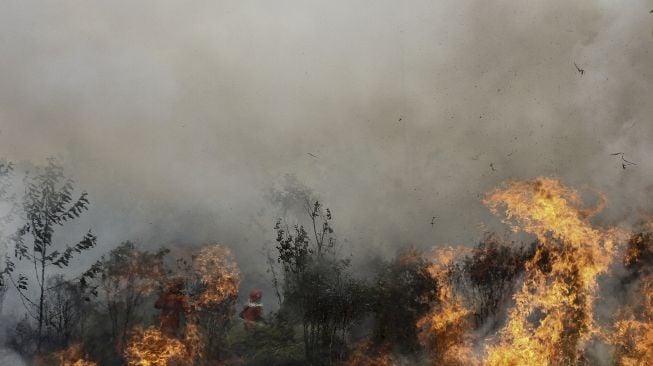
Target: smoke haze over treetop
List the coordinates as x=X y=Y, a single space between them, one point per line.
x=179 y=118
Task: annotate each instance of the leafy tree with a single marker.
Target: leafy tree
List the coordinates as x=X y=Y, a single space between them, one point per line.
x=273 y=343
x=48 y=204
x=317 y=285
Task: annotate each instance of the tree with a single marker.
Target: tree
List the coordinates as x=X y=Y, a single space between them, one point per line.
x=211 y=279
x=48 y=204
x=64 y=307
x=317 y=285
x=489 y=275
x=403 y=292
x=6 y=173
x=121 y=282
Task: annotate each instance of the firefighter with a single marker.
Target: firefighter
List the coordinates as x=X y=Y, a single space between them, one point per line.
x=172 y=303
x=252 y=313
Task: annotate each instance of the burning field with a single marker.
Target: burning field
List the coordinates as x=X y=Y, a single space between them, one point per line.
x=573 y=293
x=546 y=312
x=346 y=183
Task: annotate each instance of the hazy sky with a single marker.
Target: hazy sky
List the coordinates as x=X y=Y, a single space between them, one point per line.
x=179 y=117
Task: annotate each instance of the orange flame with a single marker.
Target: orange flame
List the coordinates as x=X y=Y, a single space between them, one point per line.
x=444 y=330
x=219 y=277
x=552 y=318
x=633 y=328
x=150 y=347
x=634 y=331
x=193 y=341
x=364 y=355
x=218 y=272
x=72 y=356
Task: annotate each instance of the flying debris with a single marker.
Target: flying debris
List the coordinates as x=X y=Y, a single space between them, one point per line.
x=400 y=119
x=313 y=155
x=581 y=71
x=624 y=162
x=492 y=167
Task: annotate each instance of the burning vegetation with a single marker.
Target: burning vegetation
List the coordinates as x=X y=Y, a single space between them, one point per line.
x=551 y=321
x=152 y=347
x=208 y=290
x=498 y=303
x=445 y=329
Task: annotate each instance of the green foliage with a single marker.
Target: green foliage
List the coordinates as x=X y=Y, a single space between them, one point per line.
x=318 y=289
x=275 y=343
x=49 y=203
x=293 y=248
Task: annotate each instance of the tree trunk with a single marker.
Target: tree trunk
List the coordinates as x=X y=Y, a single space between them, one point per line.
x=41 y=299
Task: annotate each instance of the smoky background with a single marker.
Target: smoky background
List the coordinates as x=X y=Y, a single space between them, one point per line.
x=204 y=122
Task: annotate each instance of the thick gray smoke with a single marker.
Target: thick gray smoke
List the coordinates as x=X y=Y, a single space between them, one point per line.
x=10 y=358
x=181 y=118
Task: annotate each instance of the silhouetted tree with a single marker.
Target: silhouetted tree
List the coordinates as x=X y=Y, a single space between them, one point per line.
x=317 y=285
x=402 y=293
x=491 y=271
x=48 y=204
x=6 y=197
x=64 y=309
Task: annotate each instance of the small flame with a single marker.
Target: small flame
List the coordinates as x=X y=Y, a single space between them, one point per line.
x=150 y=347
x=73 y=356
x=193 y=340
x=364 y=354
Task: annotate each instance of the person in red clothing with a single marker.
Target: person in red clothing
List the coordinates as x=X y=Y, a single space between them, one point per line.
x=172 y=303
x=252 y=313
